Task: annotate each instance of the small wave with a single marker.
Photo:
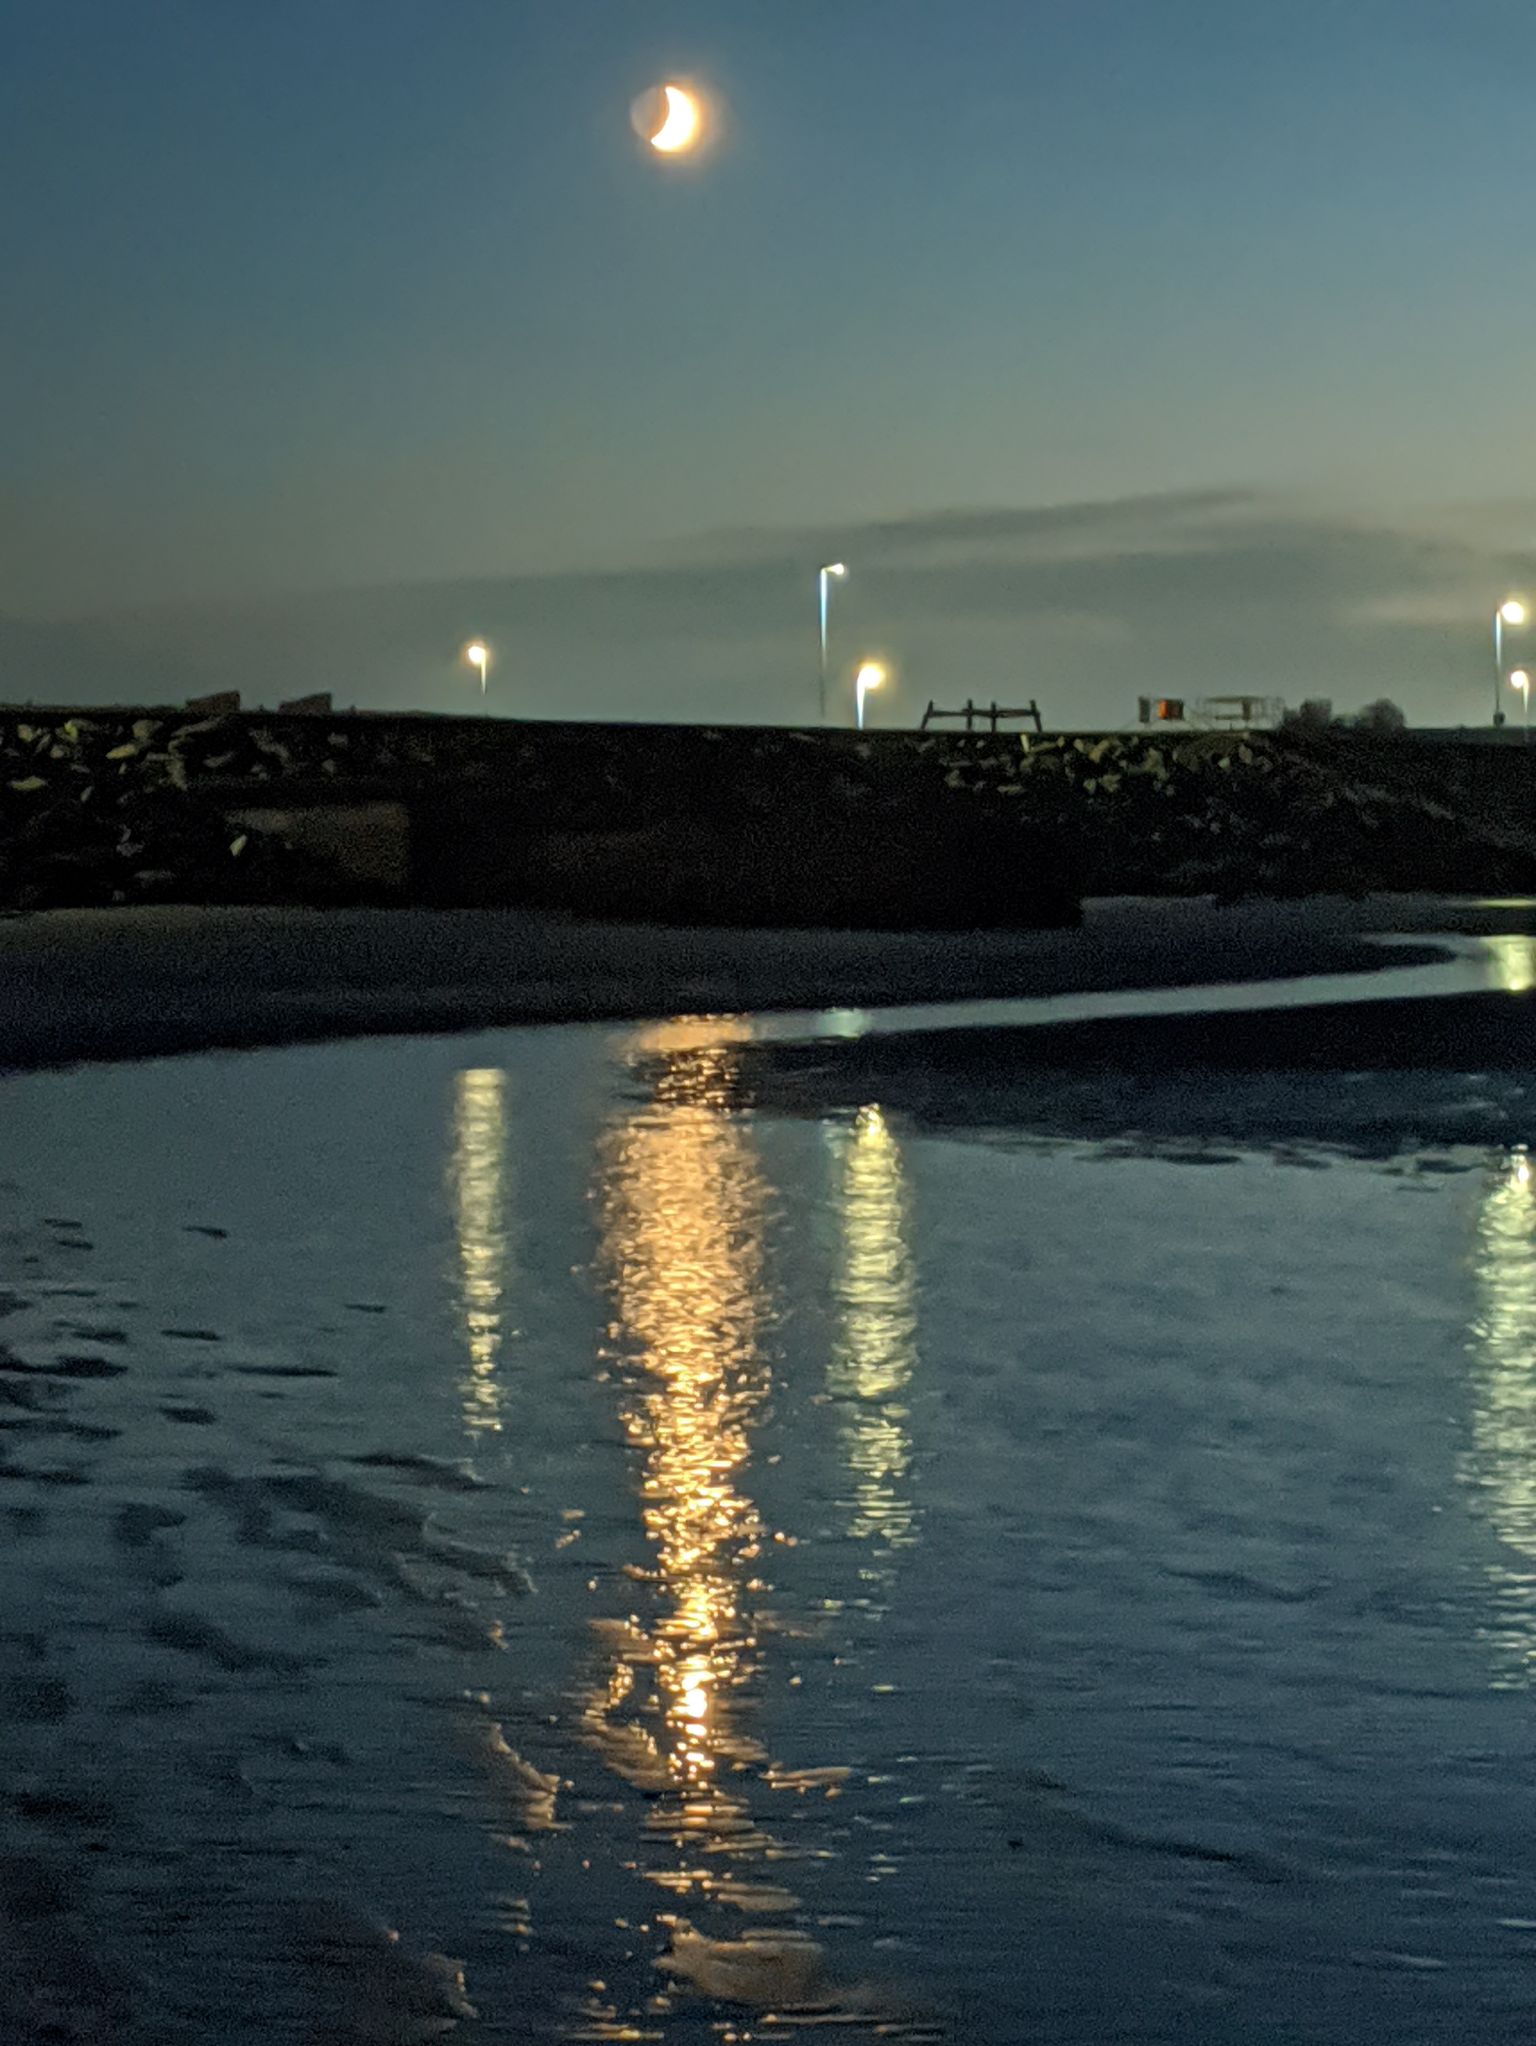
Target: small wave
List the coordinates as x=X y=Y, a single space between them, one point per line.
x=190 y=1634
x=62 y=1367
x=765 y=1970
x=371 y=1990
x=529 y=1791
x=425 y=1470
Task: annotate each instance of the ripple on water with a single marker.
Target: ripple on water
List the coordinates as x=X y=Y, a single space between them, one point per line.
x=947 y=1519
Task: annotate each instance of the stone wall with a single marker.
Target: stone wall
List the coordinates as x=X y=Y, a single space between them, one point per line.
x=734 y=824
x=1234 y=814
x=675 y=823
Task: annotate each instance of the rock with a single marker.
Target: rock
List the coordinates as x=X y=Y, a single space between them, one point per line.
x=888 y=829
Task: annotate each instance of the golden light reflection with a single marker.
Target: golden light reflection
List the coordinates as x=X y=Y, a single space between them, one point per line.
x=711 y=1035
x=876 y=1344
x=1512 y=963
x=1501 y=1468
x=480 y=1205
x=684 y=1207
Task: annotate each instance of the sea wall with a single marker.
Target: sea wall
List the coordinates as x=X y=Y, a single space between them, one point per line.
x=1288 y=813
x=734 y=824
x=680 y=824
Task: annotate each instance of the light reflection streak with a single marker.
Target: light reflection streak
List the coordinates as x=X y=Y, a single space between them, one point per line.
x=1512 y=963
x=1501 y=1468
x=875 y=1347
x=684 y=1208
x=479 y=1173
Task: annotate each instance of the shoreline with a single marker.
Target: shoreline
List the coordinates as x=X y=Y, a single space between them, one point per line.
x=78 y=986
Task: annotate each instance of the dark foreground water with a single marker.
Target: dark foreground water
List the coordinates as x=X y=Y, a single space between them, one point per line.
x=500 y=1542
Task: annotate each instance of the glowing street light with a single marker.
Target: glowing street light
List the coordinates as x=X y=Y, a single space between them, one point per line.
x=824 y=579
x=870 y=676
x=1519 y=679
x=478 y=655
x=1510 y=612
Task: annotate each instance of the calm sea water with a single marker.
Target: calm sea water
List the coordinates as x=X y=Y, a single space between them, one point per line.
x=501 y=1541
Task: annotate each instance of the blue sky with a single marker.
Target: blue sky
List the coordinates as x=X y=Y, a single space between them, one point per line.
x=323 y=294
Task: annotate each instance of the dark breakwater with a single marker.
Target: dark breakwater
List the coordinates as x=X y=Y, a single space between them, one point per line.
x=736 y=824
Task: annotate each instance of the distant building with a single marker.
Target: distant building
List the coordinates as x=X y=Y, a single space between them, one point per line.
x=1212 y=713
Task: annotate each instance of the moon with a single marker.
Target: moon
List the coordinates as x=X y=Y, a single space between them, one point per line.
x=670 y=119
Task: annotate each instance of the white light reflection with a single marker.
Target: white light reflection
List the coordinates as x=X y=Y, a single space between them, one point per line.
x=1502 y=1466
x=1512 y=963
x=479 y=1191
x=875 y=1347
x=849 y=1023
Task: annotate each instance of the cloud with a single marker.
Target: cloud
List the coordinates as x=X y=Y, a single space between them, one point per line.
x=1084 y=605
x=980 y=529
x=1253 y=565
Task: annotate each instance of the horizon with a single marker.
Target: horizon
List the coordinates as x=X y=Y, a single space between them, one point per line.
x=1191 y=594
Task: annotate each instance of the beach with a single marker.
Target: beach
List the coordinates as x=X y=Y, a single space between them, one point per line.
x=145 y=982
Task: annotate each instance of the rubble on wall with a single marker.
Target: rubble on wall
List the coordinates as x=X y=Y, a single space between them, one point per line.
x=1232 y=814
x=131 y=806
x=98 y=811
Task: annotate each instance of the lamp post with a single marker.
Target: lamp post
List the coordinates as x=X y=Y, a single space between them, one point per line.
x=478 y=655
x=824 y=577
x=1520 y=679
x=1510 y=612
x=870 y=676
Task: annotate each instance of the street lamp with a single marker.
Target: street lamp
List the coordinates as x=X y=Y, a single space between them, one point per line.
x=870 y=676
x=1510 y=612
x=824 y=578
x=478 y=655
x=1519 y=679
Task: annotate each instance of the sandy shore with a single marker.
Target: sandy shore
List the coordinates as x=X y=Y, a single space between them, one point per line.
x=130 y=983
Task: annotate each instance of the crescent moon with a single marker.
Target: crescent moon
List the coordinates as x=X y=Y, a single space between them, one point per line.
x=681 y=126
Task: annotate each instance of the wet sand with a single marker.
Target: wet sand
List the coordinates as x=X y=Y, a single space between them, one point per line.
x=131 y=983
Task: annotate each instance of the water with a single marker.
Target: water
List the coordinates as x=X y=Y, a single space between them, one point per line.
x=697 y=1573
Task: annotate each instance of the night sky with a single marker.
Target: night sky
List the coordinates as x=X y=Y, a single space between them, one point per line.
x=1118 y=345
